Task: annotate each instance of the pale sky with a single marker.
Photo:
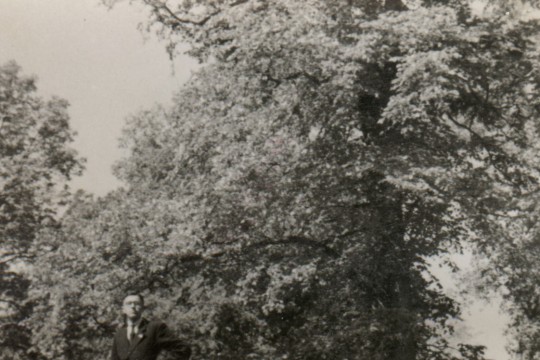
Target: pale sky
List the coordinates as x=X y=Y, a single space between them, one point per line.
x=99 y=62
x=107 y=69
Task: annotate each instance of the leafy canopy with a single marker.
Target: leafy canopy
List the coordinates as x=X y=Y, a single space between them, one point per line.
x=35 y=164
x=288 y=204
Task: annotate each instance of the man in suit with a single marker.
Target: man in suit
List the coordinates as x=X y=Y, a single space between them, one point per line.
x=141 y=339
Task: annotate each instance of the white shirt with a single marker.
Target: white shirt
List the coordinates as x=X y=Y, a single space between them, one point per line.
x=132 y=329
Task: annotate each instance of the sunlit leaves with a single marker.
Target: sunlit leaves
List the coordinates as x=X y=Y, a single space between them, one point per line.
x=35 y=163
x=289 y=201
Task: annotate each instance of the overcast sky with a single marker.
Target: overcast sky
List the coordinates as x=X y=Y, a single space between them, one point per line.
x=107 y=69
x=99 y=62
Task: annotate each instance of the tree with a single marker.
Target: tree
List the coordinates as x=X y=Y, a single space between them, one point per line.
x=35 y=163
x=288 y=204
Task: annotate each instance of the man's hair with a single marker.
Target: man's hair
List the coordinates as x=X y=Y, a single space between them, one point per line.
x=133 y=293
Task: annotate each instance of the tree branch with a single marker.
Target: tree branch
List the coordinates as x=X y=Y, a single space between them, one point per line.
x=171 y=13
x=179 y=20
x=297 y=240
x=9 y=257
x=484 y=144
x=12 y=303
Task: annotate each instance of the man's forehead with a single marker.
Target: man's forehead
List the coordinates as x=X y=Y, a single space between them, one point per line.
x=132 y=299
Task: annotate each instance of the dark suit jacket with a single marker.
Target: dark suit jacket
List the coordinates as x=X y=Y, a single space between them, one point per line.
x=153 y=337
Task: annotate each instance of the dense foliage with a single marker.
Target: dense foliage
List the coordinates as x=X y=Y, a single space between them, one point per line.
x=35 y=164
x=288 y=204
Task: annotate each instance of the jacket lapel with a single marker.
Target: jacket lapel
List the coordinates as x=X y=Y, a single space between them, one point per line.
x=123 y=345
x=139 y=337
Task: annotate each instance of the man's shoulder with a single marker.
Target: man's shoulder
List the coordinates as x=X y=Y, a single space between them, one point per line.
x=155 y=323
x=151 y=323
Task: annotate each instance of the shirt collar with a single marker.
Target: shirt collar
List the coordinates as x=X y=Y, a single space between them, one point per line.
x=135 y=324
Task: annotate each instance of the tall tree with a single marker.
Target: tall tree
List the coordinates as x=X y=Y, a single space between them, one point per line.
x=35 y=163
x=288 y=203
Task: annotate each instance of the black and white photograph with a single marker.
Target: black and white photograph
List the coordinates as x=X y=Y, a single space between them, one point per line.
x=269 y=179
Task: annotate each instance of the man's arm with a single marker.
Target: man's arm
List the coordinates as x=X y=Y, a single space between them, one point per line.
x=165 y=339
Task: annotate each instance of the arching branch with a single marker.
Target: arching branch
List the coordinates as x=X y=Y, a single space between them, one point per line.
x=158 y=7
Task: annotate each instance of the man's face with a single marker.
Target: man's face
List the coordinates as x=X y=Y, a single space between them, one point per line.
x=132 y=307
